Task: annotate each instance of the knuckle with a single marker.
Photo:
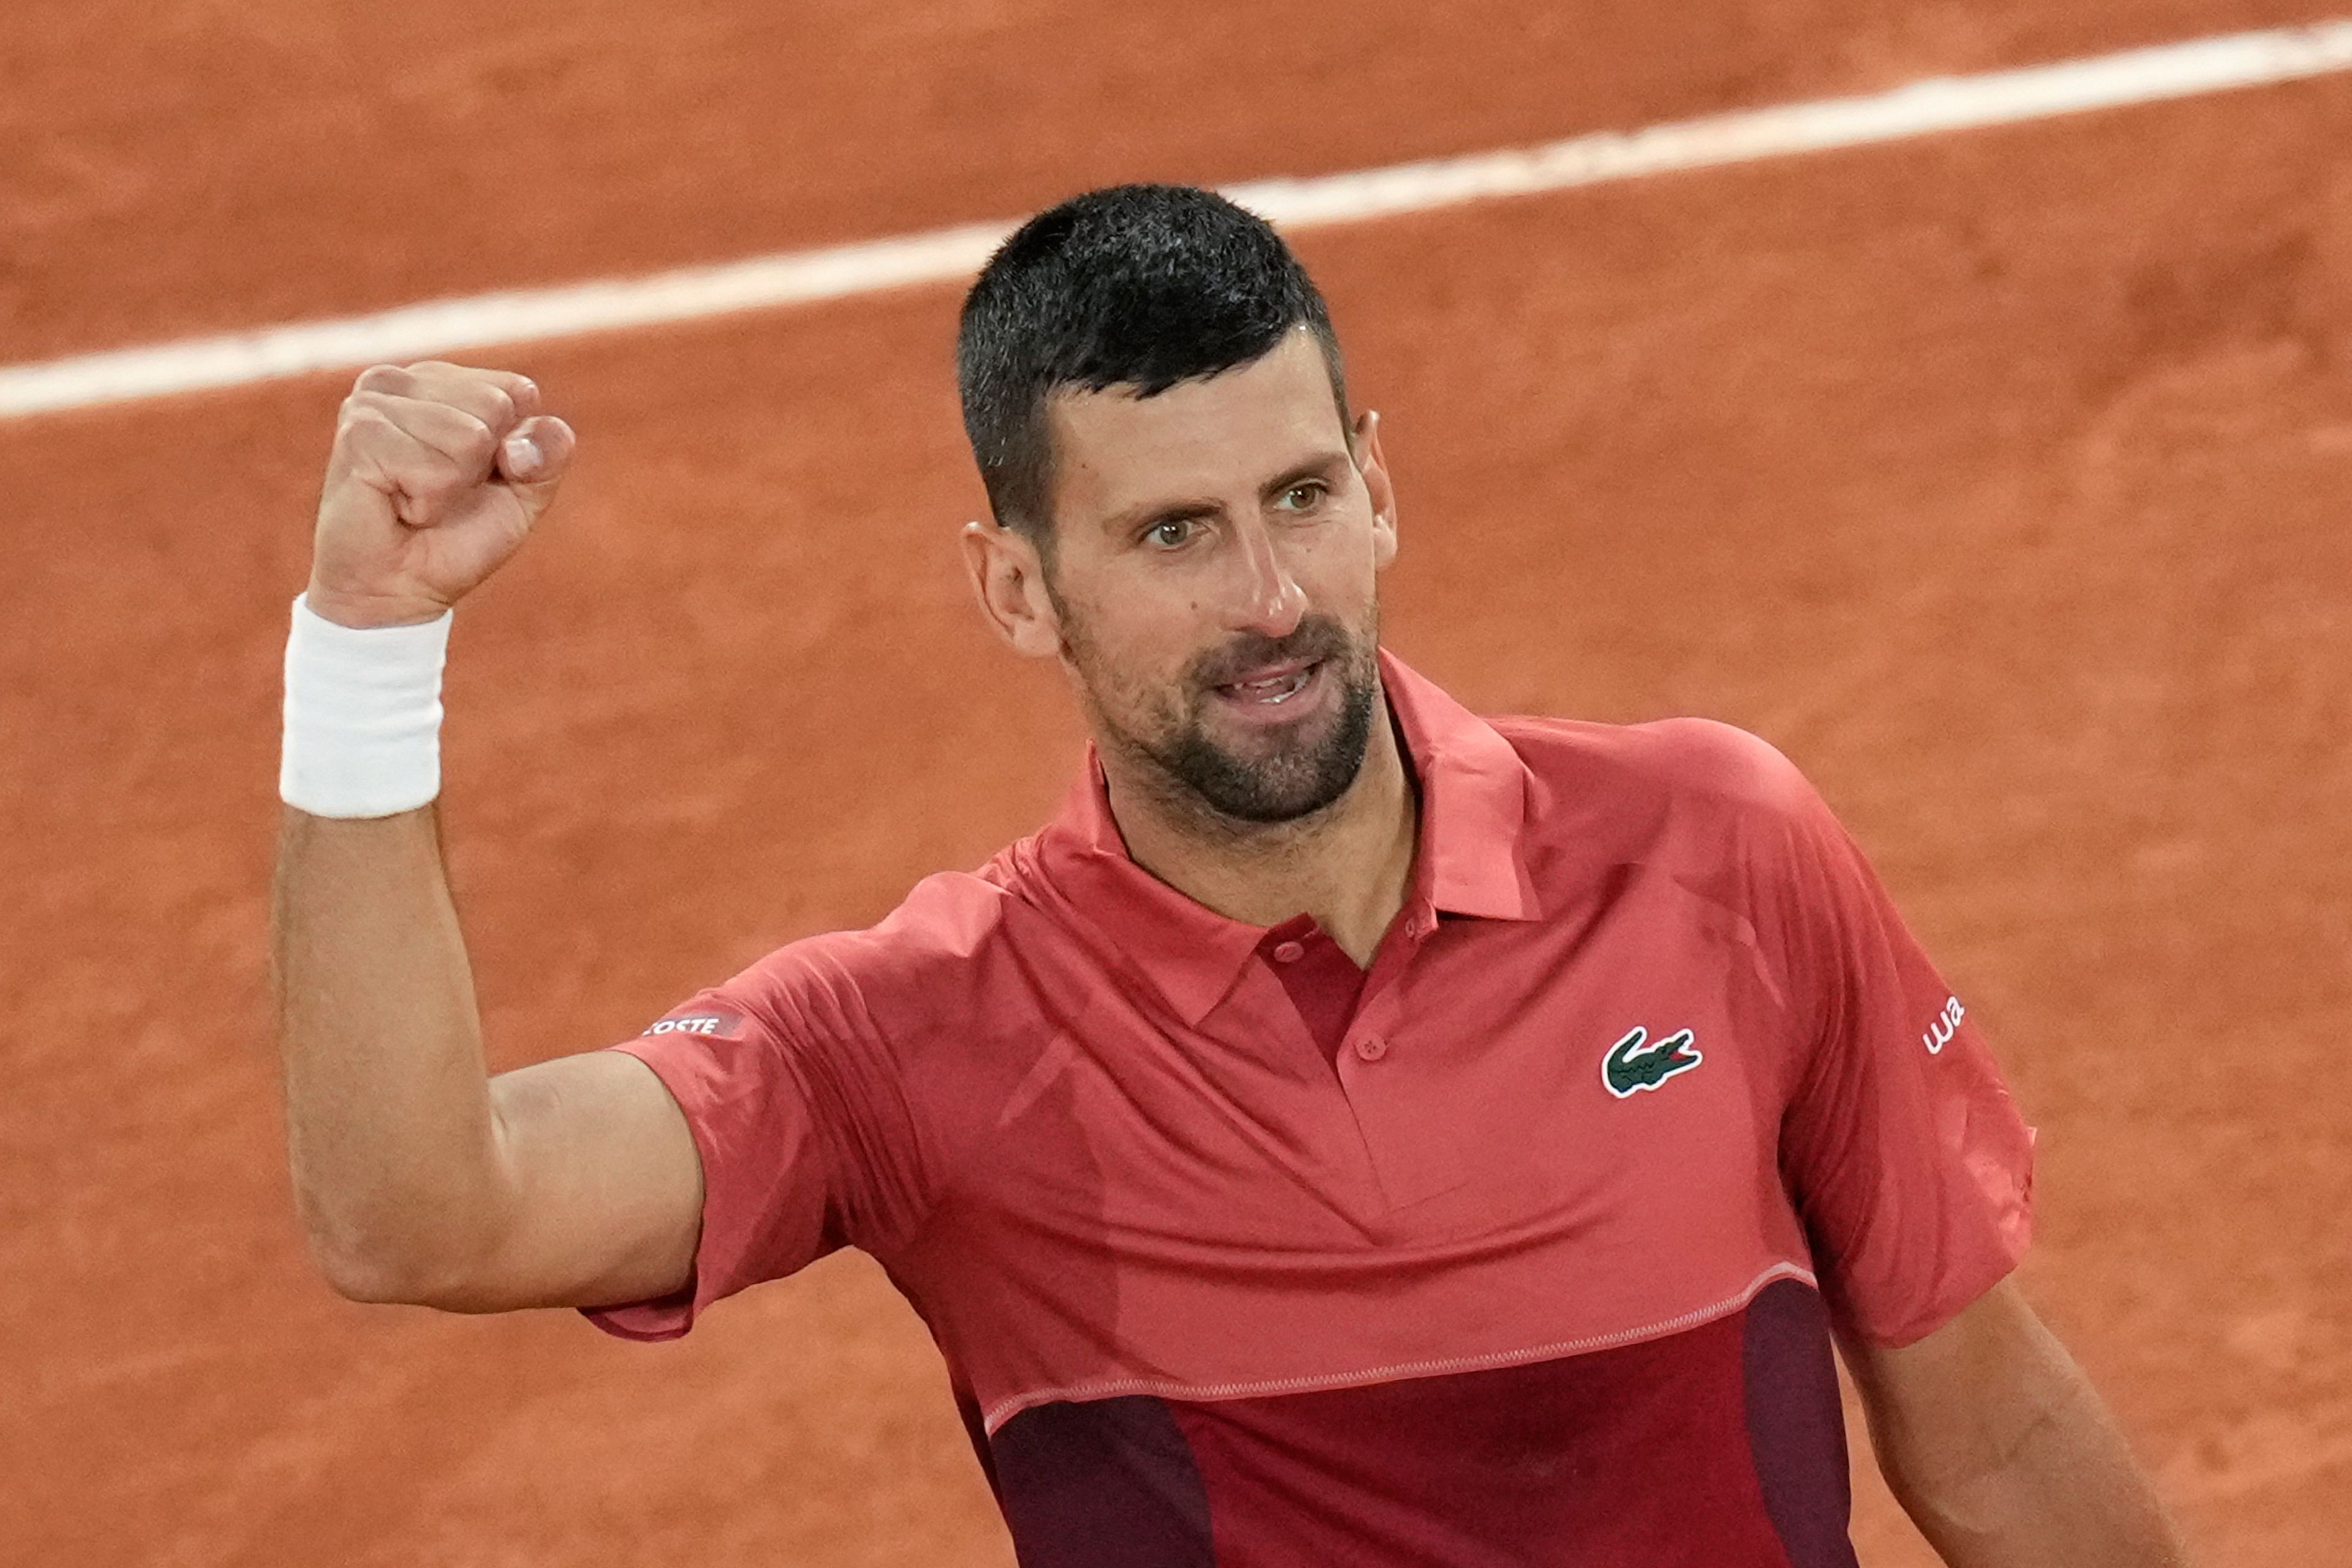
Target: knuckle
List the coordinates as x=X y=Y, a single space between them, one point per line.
x=364 y=417
x=475 y=441
x=381 y=378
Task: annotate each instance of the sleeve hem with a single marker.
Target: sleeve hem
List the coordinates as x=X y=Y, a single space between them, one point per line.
x=672 y=1316
x=1968 y=1289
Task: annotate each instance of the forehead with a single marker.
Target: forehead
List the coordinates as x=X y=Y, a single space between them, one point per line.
x=1199 y=439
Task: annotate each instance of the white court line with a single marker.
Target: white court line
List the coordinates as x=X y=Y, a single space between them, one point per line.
x=451 y=326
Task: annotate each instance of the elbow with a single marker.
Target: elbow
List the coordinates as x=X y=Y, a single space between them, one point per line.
x=369 y=1265
x=358 y=1276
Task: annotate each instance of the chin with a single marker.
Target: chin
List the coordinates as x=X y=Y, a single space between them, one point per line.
x=1269 y=775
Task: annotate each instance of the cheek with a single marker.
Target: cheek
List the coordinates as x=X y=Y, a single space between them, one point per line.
x=1341 y=573
x=1147 y=614
x=1132 y=641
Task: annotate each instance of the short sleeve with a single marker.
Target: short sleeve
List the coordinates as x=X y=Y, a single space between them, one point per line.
x=1904 y=1154
x=768 y=1201
x=791 y=1091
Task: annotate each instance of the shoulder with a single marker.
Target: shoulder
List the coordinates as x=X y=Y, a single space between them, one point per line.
x=946 y=925
x=1719 y=813
x=1688 y=765
x=948 y=955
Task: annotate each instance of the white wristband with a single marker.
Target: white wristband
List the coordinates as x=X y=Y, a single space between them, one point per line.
x=362 y=716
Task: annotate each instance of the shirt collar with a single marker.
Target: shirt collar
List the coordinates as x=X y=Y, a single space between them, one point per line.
x=1473 y=806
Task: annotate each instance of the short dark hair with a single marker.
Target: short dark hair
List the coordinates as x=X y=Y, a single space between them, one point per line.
x=1140 y=286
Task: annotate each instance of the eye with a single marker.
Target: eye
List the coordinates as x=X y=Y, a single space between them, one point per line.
x=1169 y=534
x=1305 y=496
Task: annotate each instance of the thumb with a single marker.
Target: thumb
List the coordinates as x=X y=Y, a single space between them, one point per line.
x=533 y=458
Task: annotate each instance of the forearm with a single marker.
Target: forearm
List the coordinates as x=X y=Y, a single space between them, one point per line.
x=389 y=1122
x=2020 y=1467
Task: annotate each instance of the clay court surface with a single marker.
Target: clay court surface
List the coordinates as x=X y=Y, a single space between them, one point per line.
x=2000 y=479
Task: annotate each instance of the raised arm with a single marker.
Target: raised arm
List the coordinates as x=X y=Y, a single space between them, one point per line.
x=1999 y=1449
x=419 y=1179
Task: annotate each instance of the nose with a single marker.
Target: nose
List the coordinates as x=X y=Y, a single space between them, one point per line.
x=1265 y=597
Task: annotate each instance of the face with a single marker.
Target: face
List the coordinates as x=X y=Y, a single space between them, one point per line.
x=1212 y=593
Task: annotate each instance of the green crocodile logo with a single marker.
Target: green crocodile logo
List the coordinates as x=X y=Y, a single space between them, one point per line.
x=1632 y=1065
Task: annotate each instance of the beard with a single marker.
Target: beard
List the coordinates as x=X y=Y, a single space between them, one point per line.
x=1292 y=771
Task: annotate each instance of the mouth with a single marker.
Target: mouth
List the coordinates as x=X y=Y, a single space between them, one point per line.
x=1270 y=690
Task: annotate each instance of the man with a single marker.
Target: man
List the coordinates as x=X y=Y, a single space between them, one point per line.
x=1351 y=1132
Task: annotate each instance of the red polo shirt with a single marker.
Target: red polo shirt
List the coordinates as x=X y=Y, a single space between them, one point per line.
x=1519 y=1247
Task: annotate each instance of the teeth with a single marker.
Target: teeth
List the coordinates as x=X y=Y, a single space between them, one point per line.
x=1274 y=689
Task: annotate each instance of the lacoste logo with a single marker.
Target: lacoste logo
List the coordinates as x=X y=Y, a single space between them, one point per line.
x=1632 y=1065
x=1939 y=1035
x=695 y=1024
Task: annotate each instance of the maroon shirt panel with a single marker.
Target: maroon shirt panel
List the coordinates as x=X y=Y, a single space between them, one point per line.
x=1633 y=1457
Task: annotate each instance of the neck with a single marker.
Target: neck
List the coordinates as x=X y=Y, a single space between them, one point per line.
x=1349 y=865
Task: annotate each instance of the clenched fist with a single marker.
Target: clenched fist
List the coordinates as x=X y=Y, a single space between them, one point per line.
x=437 y=473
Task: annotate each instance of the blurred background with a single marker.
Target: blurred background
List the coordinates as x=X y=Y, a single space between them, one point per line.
x=1997 y=476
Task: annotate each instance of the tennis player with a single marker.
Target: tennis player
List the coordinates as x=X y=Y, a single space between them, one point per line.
x=1352 y=1131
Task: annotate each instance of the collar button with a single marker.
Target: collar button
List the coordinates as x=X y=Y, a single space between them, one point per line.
x=1371 y=1048
x=1288 y=952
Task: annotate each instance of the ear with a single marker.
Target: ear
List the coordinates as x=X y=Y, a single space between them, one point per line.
x=1009 y=579
x=1374 y=466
